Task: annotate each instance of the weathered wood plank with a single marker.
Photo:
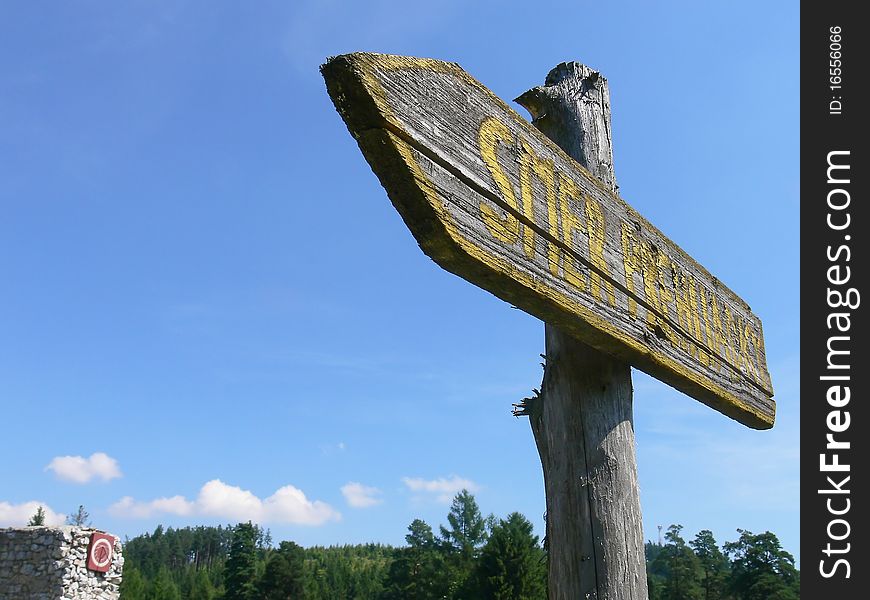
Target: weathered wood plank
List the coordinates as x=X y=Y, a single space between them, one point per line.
x=491 y=199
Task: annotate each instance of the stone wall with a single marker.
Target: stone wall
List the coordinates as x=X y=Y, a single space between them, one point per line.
x=50 y=563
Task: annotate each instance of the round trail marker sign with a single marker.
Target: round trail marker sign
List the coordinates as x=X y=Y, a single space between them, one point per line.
x=100 y=552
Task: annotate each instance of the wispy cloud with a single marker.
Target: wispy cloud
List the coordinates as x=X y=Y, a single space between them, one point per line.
x=358 y=495
x=217 y=499
x=78 y=469
x=330 y=449
x=442 y=489
x=17 y=515
x=175 y=505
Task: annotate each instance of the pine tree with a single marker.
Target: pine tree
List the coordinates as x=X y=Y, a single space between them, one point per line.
x=655 y=576
x=82 y=518
x=283 y=577
x=164 y=587
x=679 y=567
x=264 y=538
x=512 y=564
x=420 y=535
x=38 y=518
x=761 y=569
x=467 y=528
x=713 y=564
x=418 y=572
x=461 y=542
x=201 y=587
x=133 y=585
x=241 y=567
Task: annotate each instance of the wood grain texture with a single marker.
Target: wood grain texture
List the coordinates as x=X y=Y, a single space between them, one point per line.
x=582 y=420
x=492 y=200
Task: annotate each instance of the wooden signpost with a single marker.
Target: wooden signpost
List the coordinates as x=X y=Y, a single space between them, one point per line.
x=537 y=222
x=490 y=198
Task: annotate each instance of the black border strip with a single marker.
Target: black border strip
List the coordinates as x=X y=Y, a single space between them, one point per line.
x=833 y=546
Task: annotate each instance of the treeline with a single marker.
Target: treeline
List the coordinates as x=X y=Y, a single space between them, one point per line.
x=471 y=557
x=755 y=567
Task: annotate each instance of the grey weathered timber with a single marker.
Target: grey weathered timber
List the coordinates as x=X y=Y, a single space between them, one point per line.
x=582 y=419
x=491 y=199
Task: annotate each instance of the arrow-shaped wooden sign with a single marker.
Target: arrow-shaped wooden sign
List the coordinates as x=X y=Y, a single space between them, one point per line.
x=491 y=199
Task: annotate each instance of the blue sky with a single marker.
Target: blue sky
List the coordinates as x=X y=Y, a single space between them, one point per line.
x=211 y=312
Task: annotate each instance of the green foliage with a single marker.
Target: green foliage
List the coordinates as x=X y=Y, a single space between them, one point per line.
x=419 y=571
x=283 y=577
x=655 y=585
x=465 y=563
x=655 y=574
x=191 y=554
x=512 y=565
x=133 y=585
x=164 y=587
x=200 y=586
x=178 y=549
x=467 y=528
x=678 y=567
x=241 y=567
x=81 y=518
x=342 y=572
x=761 y=569
x=461 y=543
x=197 y=559
x=714 y=565
x=420 y=535
x=38 y=518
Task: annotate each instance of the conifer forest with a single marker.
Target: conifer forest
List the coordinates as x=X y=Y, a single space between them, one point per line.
x=470 y=557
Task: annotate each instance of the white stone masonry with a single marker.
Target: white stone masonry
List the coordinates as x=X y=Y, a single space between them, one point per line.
x=50 y=563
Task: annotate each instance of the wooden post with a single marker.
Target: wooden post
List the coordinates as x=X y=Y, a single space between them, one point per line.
x=582 y=418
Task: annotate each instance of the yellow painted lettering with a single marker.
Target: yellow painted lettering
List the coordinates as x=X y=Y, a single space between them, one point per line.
x=746 y=347
x=504 y=227
x=543 y=169
x=553 y=250
x=650 y=270
x=692 y=302
x=756 y=344
x=631 y=264
x=595 y=224
x=664 y=284
x=682 y=307
x=571 y=223
x=729 y=334
x=708 y=327
x=719 y=339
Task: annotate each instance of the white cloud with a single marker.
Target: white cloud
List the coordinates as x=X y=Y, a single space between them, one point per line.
x=217 y=499
x=331 y=449
x=443 y=489
x=79 y=469
x=358 y=495
x=128 y=507
x=289 y=505
x=17 y=515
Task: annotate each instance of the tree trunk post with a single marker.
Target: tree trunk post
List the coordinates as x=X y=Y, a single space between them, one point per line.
x=582 y=418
